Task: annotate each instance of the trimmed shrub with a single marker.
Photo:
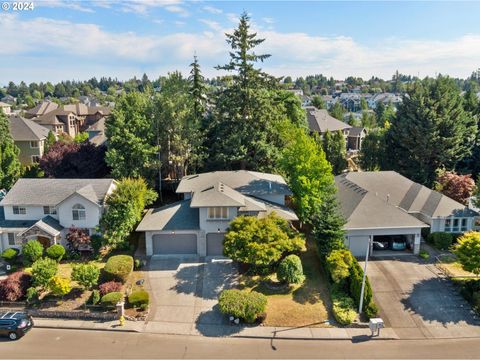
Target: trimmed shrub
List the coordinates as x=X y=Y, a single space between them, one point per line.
x=10 y=255
x=111 y=299
x=356 y=279
x=118 y=268
x=242 y=304
x=86 y=275
x=32 y=251
x=15 y=286
x=137 y=264
x=43 y=270
x=139 y=298
x=338 y=264
x=95 y=297
x=110 y=286
x=290 y=270
x=441 y=240
x=371 y=310
x=59 y=286
x=56 y=252
x=424 y=254
x=343 y=306
x=32 y=294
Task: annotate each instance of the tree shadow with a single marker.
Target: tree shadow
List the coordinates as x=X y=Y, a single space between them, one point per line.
x=212 y=323
x=435 y=300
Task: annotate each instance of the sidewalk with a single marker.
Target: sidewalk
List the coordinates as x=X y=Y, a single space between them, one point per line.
x=130 y=326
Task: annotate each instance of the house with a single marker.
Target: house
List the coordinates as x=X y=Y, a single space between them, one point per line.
x=6 y=108
x=41 y=109
x=96 y=132
x=384 y=205
x=60 y=121
x=29 y=137
x=197 y=224
x=44 y=209
x=320 y=121
x=9 y=99
x=385 y=98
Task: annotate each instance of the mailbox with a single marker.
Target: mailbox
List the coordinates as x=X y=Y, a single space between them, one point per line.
x=375 y=325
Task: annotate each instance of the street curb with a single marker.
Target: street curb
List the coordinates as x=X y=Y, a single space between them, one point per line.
x=308 y=338
x=83 y=328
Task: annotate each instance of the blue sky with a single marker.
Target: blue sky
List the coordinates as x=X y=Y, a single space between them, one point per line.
x=80 y=39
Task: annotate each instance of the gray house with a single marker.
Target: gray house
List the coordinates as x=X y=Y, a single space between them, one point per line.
x=197 y=224
x=385 y=205
x=29 y=137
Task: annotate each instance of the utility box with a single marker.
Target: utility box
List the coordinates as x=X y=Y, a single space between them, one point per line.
x=375 y=325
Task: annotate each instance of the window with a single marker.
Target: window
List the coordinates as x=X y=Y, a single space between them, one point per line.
x=11 y=239
x=49 y=210
x=464 y=224
x=34 y=144
x=78 y=212
x=35 y=159
x=19 y=210
x=218 y=213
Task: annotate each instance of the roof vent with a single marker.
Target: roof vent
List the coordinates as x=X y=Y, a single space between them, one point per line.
x=388 y=198
x=270 y=186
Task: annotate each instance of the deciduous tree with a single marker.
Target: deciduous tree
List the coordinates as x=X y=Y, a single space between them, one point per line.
x=467 y=250
x=10 y=167
x=455 y=186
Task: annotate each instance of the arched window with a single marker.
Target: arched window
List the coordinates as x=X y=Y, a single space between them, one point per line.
x=78 y=212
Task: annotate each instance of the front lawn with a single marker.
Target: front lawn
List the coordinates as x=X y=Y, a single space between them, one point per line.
x=298 y=305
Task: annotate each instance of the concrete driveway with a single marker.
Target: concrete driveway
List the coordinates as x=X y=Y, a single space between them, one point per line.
x=185 y=292
x=417 y=301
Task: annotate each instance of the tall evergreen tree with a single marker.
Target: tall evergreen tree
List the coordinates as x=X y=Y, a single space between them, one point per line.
x=372 y=153
x=335 y=148
x=471 y=163
x=431 y=130
x=337 y=111
x=197 y=90
x=10 y=167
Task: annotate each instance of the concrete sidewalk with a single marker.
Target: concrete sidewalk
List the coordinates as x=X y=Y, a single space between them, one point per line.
x=130 y=326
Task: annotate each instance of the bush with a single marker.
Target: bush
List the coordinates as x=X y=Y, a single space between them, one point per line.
x=111 y=299
x=137 y=264
x=43 y=270
x=338 y=264
x=96 y=241
x=15 y=286
x=95 y=297
x=118 y=267
x=242 y=304
x=86 y=275
x=424 y=254
x=32 y=251
x=59 y=286
x=371 y=310
x=343 y=307
x=56 y=252
x=10 y=255
x=77 y=240
x=356 y=279
x=139 y=298
x=441 y=240
x=110 y=286
x=290 y=270
x=32 y=294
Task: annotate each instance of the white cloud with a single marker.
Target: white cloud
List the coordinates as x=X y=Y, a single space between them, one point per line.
x=82 y=46
x=143 y=6
x=212 y=10
x=177 y=10
x=268 y=20
x=74 y=5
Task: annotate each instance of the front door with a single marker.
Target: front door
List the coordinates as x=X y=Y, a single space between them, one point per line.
x=44 y=241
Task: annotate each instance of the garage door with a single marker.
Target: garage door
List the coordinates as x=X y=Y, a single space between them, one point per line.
x=174 y=244
x=215 y=244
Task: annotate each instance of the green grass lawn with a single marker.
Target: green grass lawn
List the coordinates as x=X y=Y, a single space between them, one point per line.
x=298 y=305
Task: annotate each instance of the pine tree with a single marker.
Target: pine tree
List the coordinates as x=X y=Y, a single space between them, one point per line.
x=335 y=148
x=10 y=167
x=197 y=90
x=431 y=130
x=337 y=111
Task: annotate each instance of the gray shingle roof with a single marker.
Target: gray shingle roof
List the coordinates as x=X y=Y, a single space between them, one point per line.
x=14 y=224
x=42 y=108
x=217 y=195
x=53 y=117
x=320 y=121
x=49 y=225
x=176 y=216
x=356 y=131
x=53 y=191
x=26 y=130
x=246 y=182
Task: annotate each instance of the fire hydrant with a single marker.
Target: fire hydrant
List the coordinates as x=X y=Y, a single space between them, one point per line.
x=122 y=320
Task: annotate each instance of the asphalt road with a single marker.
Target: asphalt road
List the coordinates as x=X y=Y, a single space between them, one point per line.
x=73 y=344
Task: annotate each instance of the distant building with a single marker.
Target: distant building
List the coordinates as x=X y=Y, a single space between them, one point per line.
x=9 y=99
x=29 y=137
x=41 y=109
x=6 y=108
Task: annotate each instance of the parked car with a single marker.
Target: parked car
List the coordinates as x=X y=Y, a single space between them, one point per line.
x=15 y=324
x=399 y=244
x=380 y=245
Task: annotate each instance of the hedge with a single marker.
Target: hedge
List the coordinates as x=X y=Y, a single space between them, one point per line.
x=441 y=240
x=111 y=299
x=242 y=304
x=139 y=298
x=343 y=307
x=118 y=268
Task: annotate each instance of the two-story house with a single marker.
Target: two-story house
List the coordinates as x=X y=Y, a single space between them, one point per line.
x=6 y=108
x=29 y=137
x=197 y=224
x=60 y=121
x=44 y=209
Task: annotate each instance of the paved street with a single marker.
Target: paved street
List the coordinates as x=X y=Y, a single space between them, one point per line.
x=185 y=293
x=415 y=301
x=55 y=344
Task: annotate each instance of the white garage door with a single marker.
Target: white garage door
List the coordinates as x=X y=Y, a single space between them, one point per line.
x=215 y=244
x=165 y=244
x=358 y=244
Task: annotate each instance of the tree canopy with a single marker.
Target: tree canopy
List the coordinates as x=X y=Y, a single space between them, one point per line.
x=10 y=167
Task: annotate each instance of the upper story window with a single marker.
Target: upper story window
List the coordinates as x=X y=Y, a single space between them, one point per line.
x=49 y=210
x=78 y=212
x=34 y=144
x=219 y=213
x=19 y=210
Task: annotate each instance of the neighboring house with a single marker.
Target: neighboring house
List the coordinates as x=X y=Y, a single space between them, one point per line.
x=44 y=209
x=320 y=121
x=385 y=205
x=9 y=99
x=41 y=109
x=60 y=121
x=6 y=108
x=29 y=137
x=197 y=224
x=329 y=100
x=385 y=98
x=96 y=132
x=87 y=115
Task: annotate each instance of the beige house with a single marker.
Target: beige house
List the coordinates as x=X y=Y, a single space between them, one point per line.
x=29 y=137
x=7 y=108
x=41 y=109
x=60 y=121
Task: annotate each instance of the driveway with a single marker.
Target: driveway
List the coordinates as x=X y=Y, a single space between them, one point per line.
x=417 y=301
x=185 y=292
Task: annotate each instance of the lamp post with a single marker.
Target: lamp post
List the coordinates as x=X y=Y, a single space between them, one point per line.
x=360 y=306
